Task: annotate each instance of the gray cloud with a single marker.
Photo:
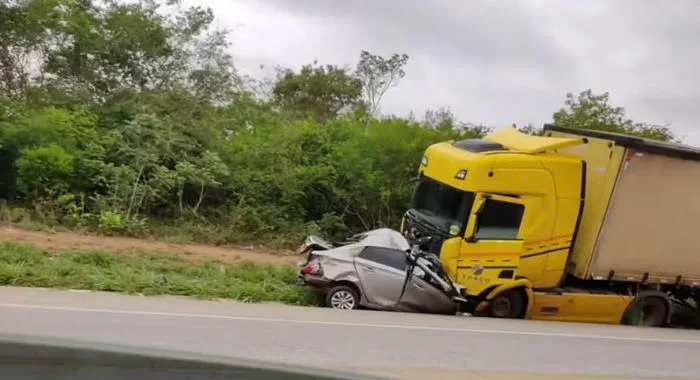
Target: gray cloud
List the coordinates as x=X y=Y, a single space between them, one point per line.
x=497 y=61
x=460 y=31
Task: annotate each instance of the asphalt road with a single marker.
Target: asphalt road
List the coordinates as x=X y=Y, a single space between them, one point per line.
x=405 y=345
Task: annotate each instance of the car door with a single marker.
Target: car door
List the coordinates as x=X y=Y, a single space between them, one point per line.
x=425 y=296
x=382 y=272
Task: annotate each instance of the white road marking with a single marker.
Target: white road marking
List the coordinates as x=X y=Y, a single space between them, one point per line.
x=346 y=324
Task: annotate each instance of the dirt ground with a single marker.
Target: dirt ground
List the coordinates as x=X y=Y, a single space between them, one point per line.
x=63 y=241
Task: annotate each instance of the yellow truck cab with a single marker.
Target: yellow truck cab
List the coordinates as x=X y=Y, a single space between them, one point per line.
x=571 y=225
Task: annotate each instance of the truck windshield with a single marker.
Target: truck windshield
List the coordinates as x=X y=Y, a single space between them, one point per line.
x=443 y=206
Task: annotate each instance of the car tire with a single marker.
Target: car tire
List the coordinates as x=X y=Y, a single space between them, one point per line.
x=343 y=297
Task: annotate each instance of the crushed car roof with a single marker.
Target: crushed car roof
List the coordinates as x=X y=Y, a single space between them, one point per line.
x=385 y=237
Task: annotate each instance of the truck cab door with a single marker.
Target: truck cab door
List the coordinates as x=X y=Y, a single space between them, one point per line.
x=490 y=252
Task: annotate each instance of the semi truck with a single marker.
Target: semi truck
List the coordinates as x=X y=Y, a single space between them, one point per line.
x=570 y=225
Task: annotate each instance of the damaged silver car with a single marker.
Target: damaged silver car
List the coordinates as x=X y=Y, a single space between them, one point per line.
x=370 y=271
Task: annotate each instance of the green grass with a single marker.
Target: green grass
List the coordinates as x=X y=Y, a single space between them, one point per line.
x=149 y=274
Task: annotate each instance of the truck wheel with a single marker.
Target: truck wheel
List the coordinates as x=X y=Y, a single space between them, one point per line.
x=509 y=304
x=342 y=297
x=649 y=311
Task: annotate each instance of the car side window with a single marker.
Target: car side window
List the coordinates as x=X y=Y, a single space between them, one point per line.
x=393 y=258
x=499 y=220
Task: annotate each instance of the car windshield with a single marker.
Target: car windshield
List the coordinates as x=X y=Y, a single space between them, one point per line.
x=443 y=206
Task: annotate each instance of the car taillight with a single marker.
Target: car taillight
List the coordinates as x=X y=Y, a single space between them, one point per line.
x=311 y=268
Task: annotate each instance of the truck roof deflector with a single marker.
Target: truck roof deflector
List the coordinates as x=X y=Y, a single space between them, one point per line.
x=512 y=139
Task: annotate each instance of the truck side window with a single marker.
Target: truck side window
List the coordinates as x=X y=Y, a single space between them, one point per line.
x=499 y=221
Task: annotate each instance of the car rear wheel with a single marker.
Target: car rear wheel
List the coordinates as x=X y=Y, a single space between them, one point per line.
x=343 y=297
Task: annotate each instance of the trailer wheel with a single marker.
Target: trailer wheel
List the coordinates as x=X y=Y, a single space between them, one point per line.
x=647 y=310
x=509 y=304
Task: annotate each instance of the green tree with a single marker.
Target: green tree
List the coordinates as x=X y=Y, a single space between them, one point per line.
x=321 y=92
x=206 y=172
x=44 y=171
x=445 y=121
x=593 y=111
x=378 y=75
x=93 y=49
x=442 y=119
x=130 y=117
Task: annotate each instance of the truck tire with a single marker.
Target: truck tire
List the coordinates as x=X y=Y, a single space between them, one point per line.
x=509 y=304
x=650 y=310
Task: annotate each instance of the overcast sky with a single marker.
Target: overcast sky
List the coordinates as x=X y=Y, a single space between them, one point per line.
x=491 y=61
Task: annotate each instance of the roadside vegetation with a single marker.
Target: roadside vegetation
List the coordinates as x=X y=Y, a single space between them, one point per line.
x=130 y=118
x=149 y=274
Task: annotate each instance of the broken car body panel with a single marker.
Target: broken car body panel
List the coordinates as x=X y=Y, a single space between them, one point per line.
x=375 y=263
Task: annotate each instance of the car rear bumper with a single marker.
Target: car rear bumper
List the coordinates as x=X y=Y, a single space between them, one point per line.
x=313 y=281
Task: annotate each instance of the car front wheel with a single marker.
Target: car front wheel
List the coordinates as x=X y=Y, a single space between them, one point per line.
x=342 y=297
